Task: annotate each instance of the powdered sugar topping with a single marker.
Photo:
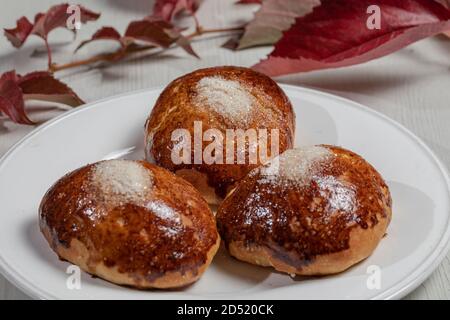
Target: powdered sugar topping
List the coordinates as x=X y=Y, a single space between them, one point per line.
x=295 y=166
x=122 y=181
x=226 y=97
x=166 y=213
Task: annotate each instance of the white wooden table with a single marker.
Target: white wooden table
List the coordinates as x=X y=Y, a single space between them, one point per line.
x=411 y=86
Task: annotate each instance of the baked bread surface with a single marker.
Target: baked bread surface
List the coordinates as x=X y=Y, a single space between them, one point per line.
x=313 y=217
x=158 y=233
x=180 y=105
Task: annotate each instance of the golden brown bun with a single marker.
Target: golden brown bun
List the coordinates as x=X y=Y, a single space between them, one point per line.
x=178 y=107
x=144 y=227
x=321 y=221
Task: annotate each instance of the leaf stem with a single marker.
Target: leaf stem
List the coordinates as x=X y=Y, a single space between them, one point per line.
x=200 y=31
x=79 y=63
x=198 y=27
x=121 y=54
x=49 y=53
x=105 y=57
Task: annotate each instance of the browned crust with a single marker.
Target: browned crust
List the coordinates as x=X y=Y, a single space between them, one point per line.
x=78 y=254
x=128 y=244
x=296 y=230
x=175 y=109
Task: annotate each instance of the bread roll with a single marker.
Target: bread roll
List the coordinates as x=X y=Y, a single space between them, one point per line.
x=312 y=211
x=131 y=223
x=220 y=99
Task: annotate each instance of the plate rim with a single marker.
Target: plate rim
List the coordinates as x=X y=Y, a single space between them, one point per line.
x=396 y=291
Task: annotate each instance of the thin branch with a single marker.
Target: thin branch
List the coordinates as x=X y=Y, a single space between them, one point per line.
x=106 y=57
x=201 y=31
x=49 y=53
x=121 y=53
x=198 y=27
x=79 y=63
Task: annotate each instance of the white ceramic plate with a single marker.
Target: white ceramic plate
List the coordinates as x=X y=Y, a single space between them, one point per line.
x=417 y=239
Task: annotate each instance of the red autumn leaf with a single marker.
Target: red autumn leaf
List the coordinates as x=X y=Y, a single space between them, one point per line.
x=149 y=31
x=41 y=85
x=154 y=32
x=274 y=17
x=20 y=33
x=104 y=33
x=44 y=23
x=168 y=9
x=184 y=43
x=336 y=34
x=57 y=17
x=445 y=3
x=11 y=98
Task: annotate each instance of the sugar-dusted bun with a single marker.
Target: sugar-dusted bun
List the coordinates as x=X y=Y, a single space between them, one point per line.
x=219 y=98
x=311 y=211
x=131 y=223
